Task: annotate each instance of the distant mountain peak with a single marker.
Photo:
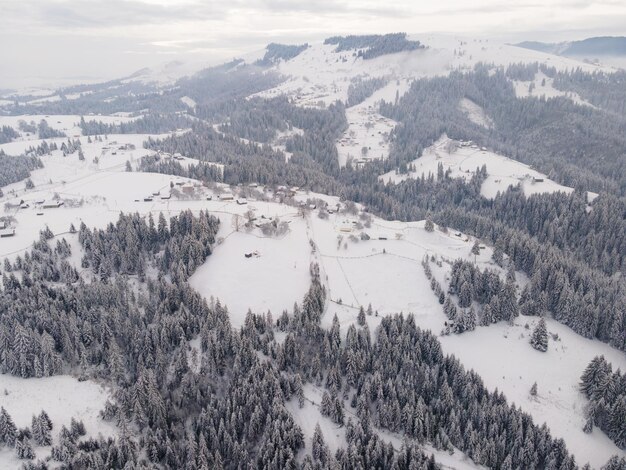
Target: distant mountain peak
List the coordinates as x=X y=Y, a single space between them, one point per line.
x=595 y=46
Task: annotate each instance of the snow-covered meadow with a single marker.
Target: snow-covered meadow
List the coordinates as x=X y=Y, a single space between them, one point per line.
x=462 y=160
x=62 y=397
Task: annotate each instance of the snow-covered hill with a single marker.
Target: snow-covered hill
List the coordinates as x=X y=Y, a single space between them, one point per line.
x=462 y=159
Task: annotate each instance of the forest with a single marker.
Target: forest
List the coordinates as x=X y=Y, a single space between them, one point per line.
x=374 y=45
x=231 y=411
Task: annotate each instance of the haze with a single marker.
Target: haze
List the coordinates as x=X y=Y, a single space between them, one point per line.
x=53 y=42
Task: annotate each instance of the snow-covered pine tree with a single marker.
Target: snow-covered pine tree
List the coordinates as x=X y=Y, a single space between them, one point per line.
x=539 y=338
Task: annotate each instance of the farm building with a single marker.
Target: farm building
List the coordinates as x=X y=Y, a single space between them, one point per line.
x=226 y=197
x=7 y=232
x=52 y=204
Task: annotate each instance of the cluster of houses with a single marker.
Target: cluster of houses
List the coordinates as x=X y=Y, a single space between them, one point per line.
x=471 y=144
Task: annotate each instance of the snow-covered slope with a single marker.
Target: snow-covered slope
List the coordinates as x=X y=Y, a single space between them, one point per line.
x=462 y=159
x=319 y=76
x=62 y=398
x=542 y=86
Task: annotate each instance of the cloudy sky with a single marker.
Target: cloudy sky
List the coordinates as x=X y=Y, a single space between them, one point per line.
x=46 y=41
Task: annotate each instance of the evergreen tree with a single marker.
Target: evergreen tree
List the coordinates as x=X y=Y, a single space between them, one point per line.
x=539 y=337
x=361 y=316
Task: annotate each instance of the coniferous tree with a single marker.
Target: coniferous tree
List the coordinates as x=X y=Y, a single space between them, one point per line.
x=539 y=337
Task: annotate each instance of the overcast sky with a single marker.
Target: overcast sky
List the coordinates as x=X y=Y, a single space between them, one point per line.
x=44 y=41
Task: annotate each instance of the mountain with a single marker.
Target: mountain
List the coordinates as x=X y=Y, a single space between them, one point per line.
x=596 y=46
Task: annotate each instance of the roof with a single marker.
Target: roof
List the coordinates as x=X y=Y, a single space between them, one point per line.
x=7 y=232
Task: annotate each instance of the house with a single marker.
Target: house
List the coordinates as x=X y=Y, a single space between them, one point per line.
x=3 y=224
x=166 y=196
x=147 y=199
x=242 y=201
x=188 y=188
x=537 y=180
x=156 y=193
x=226 y=197
x=7 y=232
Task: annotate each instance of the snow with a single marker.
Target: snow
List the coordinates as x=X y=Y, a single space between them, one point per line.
x=502 y=356
x=457 y=461
x=93 y=193
x=384 y=271
x=321 y=76
x=463 y=160
x=393 y=281
x=544 y=87
x=273 y=281
x=62 y=397
x=475 y=113
x=65 y=123
x=470 y=51
x=367 y=135
x=309 y=416
x=188 y=101
x=280 y=140
x=168 y=73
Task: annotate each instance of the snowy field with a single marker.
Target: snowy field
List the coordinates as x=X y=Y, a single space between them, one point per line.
x=542 y=86
x=475 y=113
x=463 y=161
x=273 y=279
x=502 y=356
x=69 y=124
x=62 y=398
x=367 y=135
